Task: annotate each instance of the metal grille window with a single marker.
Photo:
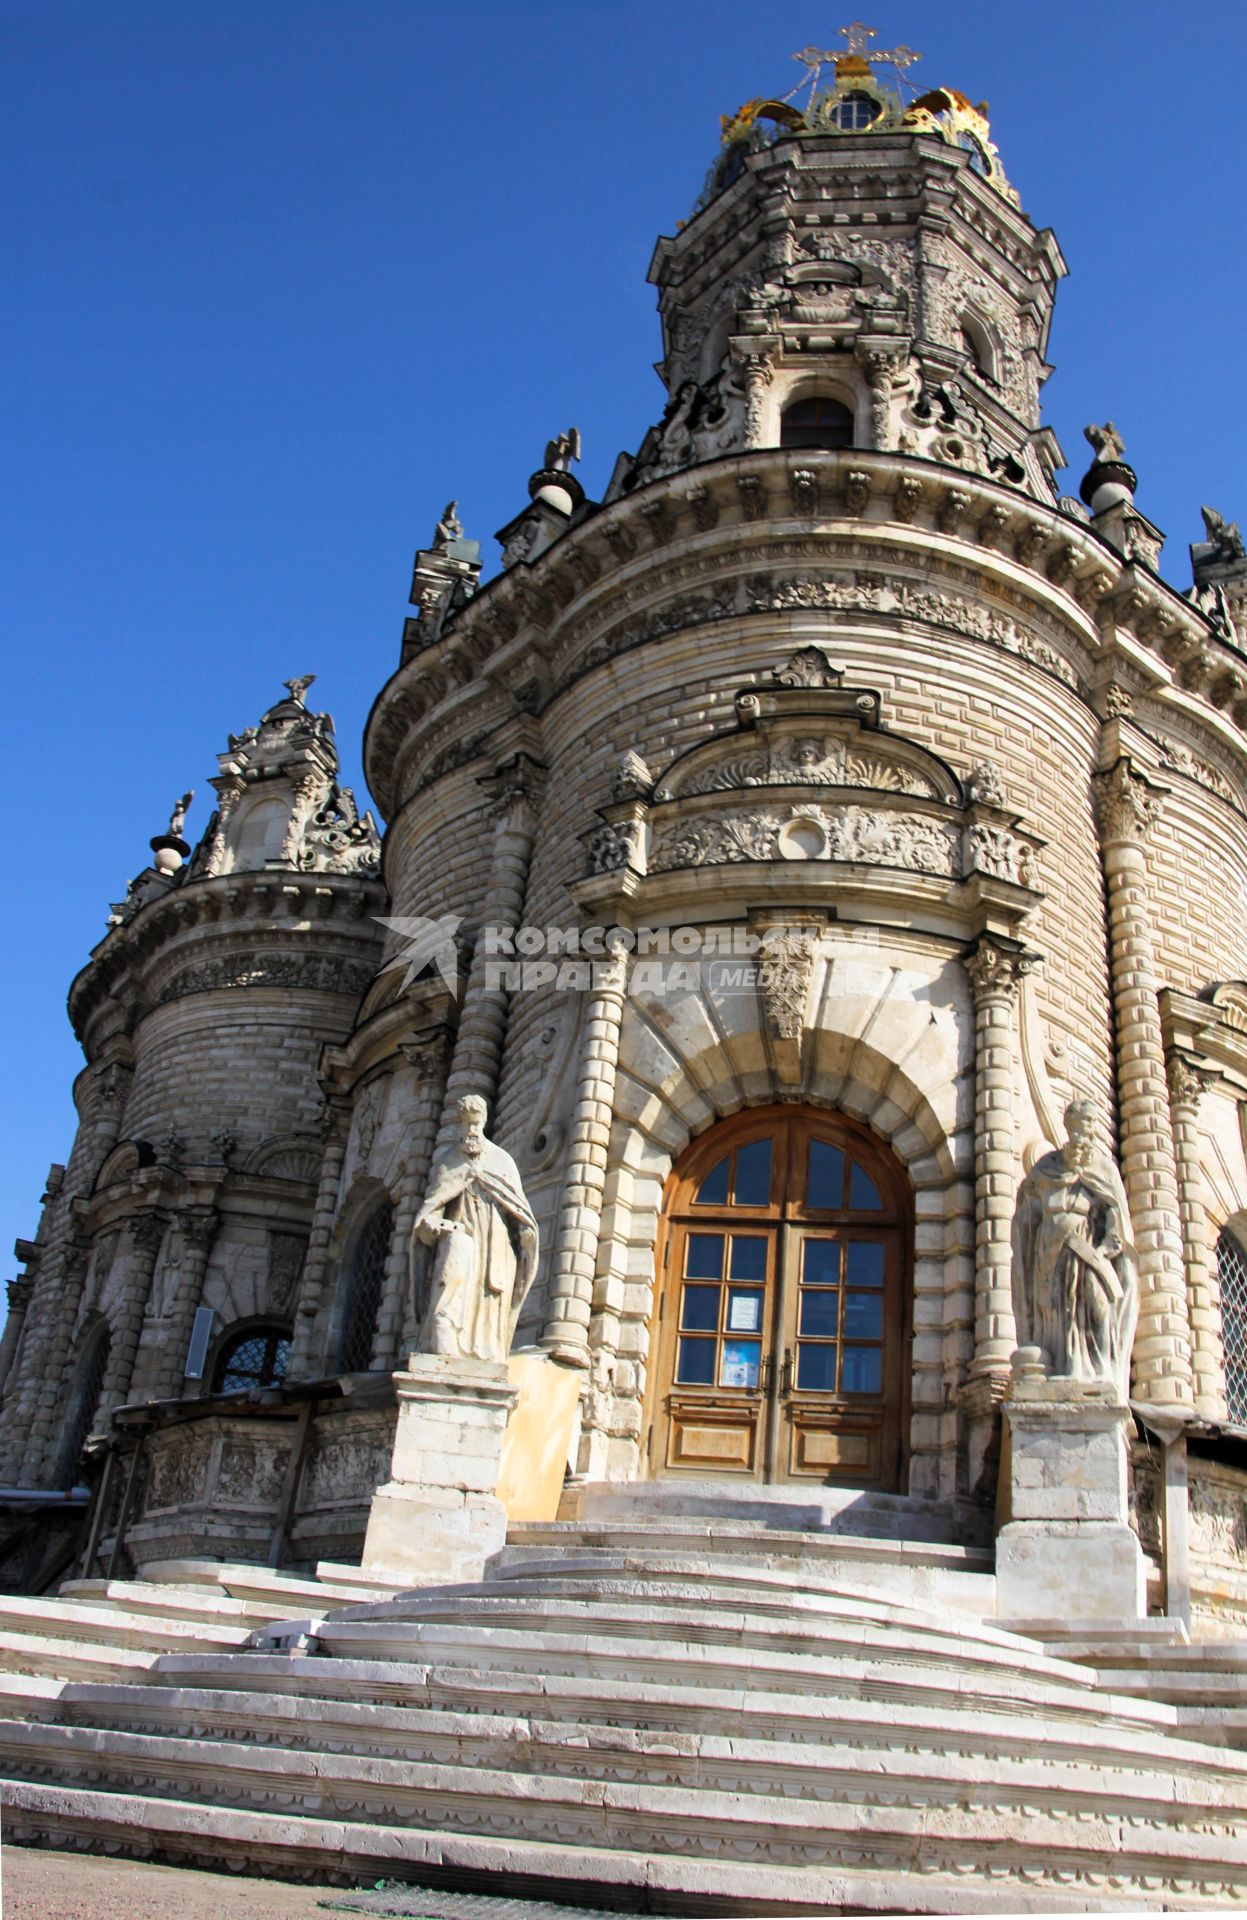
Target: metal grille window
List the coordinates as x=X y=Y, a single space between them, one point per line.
x=92 y=1368
x=364 y=1288
x=1232 y=1273
x=257 y=1358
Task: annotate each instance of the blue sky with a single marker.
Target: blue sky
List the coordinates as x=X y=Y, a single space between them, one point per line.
x=280 y=279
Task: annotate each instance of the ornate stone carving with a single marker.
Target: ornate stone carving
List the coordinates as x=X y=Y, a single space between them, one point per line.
x=785 y=969
x=633 y=779
x=1127 y=804
x=428 y=1054
x=613 y=847
x=320 y=973
x=705 y=508
x=848 y=833
x=803 y=485
x=286 y=1254
x=993 y=850
x=985 y=785
x=996 y=970
x=1188 y=1083
x=752 y=495
x=1075 y=1280
x=856 y=491
x=808 y=667
x=477 y=1217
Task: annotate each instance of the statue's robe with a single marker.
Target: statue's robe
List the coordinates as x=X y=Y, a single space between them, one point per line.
x=484 y=1268
x=1075 y=1276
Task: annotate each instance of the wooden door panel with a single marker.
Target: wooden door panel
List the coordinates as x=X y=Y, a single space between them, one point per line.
x=712 y=1438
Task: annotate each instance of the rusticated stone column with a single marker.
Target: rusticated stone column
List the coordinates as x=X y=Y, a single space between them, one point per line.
x=427 y=1054
x=574 y=1264
x=18 y=1293
x=1127 y=805
x=515 y=792
x=335 y=1127
x=51 y=1365
x=995 y=968
x=146 y=1232
x=198 y=1228
x=1187 y=1085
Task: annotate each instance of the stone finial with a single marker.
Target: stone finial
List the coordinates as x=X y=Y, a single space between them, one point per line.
x=1108 y=481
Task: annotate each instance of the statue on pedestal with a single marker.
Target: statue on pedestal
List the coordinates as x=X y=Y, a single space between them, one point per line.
x=477 y=1218
x=1075 y=1278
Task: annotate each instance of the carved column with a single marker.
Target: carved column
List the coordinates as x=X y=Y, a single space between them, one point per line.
x=1127 y=806
x=574 y=1264
x=1187 y=1084
x=198 y=1228
x=397 y=1323
x=41 y=1413
x=18 y=1292
x=995 y=969
x=335 y=1127
x=515 y=792
x=147 y=1232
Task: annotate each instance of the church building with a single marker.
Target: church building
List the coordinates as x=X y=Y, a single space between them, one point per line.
x=673 y=1323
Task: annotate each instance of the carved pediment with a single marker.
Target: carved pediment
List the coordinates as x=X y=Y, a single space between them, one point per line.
x=127 y=1158
x=810 y=775
x=809 y=730
x=1230 y=1000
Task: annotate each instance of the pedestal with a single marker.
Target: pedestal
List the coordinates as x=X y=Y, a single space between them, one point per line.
x=1068 y=1551
x=438 y=1518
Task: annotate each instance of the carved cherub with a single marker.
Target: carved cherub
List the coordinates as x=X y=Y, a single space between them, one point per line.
x=177 y=819
x=1106 y=440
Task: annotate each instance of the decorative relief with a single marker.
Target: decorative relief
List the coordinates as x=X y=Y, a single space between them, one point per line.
x=1127 y=804
x=316 y=973
x=811 y=760
x=612 y=848
x=996 y=970
x=847 y=833
x=993 y=851
x=784 y=971
x=286 y=1254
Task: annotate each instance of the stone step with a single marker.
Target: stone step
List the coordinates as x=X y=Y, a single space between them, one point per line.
x=841 y=1878
x=746 y=1539
x=174 y=1603
x=114 y=1625
x=1176 y=1685
x=886 y=1814
x=683 y=1698
x=898 y=1667
x=889 y=1517
x=58 y=1657
x=265 y=1586
x=519 y=1566
x=903 y=1573
x=720 y=1730
x=818 y=1624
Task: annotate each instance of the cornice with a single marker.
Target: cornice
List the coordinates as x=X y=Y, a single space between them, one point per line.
x=272 y=908
x=508 y=650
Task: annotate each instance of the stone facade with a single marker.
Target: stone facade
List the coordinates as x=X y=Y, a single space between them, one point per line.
x=942 y=743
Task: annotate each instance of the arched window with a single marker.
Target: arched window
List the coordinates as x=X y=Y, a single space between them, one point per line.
x=83 y=1405
x=817 y=422
x=978 y=344
x=855 y=112
x=256 y=1356
x=783 y=1313
x=365 y=1283
x=1232 y=1273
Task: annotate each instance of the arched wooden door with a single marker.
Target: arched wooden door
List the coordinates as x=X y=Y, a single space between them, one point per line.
x=782 y=1335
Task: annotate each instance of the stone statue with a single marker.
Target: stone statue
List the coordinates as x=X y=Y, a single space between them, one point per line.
x=1106 y=440
x=1075 y=1279
x=297 y=688
x=561 y=452
x=177 y=819
x=476 y=1216
x=1223 y=536
x=448 y=528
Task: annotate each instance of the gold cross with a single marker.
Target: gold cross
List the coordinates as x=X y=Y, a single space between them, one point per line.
x=859 y=36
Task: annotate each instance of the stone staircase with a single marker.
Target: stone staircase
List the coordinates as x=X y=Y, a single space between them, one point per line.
x=683 y=1713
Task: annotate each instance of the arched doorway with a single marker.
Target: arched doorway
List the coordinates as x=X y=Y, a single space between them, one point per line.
x=782 y=1332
